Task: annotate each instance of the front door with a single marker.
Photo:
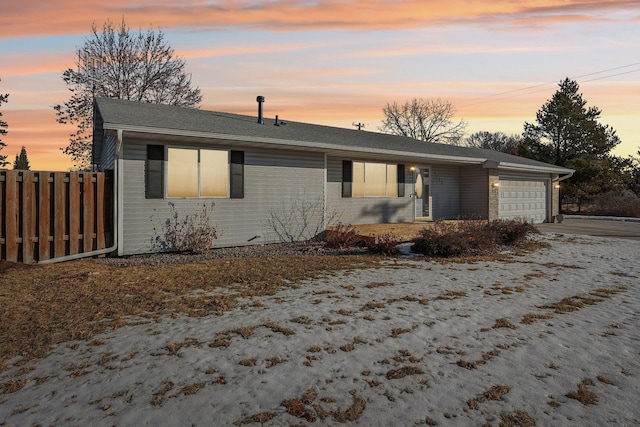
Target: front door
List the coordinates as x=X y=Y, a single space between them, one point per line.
x=422 y=194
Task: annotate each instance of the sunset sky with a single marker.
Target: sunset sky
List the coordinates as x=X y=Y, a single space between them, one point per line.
x=338 y=62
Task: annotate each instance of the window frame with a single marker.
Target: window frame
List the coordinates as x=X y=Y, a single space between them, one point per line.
x=354 y=179
x=198 y=195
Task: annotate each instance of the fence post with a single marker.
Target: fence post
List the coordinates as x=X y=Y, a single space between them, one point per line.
x=28 y=216
x=61 y=213
x=87 y=211
x=13 y=210
x=44 y=220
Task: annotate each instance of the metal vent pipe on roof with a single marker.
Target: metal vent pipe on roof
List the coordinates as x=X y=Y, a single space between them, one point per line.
x=260 y=100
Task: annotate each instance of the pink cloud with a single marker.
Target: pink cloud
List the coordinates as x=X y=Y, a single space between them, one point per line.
x=45 y=17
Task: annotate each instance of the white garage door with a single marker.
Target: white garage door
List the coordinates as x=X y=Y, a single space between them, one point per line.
x=523 y=199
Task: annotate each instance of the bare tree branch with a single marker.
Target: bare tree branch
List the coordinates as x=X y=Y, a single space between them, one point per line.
x=427 y=120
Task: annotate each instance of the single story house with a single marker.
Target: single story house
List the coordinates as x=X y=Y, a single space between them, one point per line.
x=169 y=160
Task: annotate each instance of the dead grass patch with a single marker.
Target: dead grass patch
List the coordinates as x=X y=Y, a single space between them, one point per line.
x=303 y=320
x=604 y=379
x=583 y=394
x=158 y=397
x=403 y=372
x=245 y=331
x=396 y=332
x=192 y=388
x=374 y=285
x=451 y=295
x=260 y=417
x=517 y=418
x=372 y=305
x=248 y=362
x=494 y=393
x=352 y=413
x=503 y=322
x=273 y=361
x=280 y=329
x=45 y=305
x=529 y=318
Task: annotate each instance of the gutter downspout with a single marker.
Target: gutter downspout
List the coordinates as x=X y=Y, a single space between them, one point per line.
x=116 y=199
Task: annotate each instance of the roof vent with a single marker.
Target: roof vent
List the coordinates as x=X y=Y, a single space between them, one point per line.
x=260 y=100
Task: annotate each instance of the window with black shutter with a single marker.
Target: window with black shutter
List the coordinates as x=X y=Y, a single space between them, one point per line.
x=154 y=172
x=347 y=178
x=400 y=180
x=237 y=175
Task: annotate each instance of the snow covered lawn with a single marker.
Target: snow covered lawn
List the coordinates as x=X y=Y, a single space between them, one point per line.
x=551 y=338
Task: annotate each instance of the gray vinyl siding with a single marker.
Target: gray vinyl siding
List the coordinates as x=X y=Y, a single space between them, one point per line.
x=445 y=194
x=365 y=210
x=273 y=181
x=474 y=192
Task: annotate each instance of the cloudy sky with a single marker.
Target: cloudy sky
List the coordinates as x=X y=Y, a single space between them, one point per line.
x=338 y=62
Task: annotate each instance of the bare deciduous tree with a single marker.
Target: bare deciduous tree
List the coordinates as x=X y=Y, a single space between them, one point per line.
x=428 y=120
x=497 y=141
x=124 y=65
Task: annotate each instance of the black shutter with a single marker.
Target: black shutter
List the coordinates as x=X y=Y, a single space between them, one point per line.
x=154 y=172
x=400 y=180
x=236 y=169
x=347 y=178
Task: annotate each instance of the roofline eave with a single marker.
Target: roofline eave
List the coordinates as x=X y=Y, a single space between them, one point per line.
x=286 y=143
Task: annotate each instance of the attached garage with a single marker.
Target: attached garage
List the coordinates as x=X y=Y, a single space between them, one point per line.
x=524 y=198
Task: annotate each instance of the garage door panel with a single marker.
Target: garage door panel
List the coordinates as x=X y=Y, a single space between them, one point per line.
x=523 y=199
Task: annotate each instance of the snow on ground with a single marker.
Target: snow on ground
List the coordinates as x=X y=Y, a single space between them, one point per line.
x=413 y=343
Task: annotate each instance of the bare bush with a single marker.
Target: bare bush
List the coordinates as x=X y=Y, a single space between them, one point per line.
x=383 y=244
x=342 y=236
x=470 y=237
x=193 y=233
x=300 y=219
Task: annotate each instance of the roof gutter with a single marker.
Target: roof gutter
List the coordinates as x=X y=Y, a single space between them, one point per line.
x=528 y=168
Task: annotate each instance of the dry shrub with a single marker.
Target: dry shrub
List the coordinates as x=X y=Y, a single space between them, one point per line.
x=194 y=233
x=466 y=238
x=342 y=236
x=385 y=244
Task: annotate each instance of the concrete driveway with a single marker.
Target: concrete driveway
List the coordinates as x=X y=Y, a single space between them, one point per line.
x=595 y=227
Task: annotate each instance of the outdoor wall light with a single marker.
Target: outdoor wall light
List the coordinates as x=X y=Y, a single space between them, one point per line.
x=495 y=185
x=557 y=186
x=412 y=168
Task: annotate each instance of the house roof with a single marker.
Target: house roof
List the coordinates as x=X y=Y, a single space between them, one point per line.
x=167 y=120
